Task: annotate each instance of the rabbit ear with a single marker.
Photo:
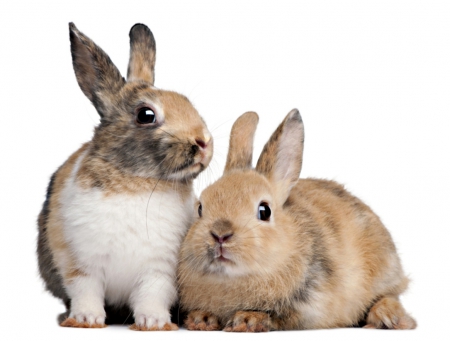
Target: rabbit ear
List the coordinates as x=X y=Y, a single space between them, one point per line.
x=142 y=54
x=96 y=74
x=241 y=142
x=281 y=158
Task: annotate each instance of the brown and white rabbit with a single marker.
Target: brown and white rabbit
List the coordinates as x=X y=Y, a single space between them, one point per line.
x=269 y=251
x=118 y=208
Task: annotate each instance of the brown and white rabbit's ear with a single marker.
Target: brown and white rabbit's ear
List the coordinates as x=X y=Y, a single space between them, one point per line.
x=281 y=158
x=96 y=74
x=142 y=55
x=240 y=151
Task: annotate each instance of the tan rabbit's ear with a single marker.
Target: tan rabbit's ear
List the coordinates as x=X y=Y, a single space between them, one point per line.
x=142 y=55
x=281 y=158
x=96 y=74
x=241 y=142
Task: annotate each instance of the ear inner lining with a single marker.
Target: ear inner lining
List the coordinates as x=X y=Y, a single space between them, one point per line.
x=281 y=159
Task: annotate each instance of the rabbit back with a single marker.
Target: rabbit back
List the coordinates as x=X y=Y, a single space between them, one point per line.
x=352 y=260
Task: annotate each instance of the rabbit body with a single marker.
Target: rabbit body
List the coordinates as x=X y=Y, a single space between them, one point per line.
x=322 y=259
x=117 y=209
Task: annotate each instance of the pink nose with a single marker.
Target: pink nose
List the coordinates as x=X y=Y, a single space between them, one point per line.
x=200 y=143
x=221 y=239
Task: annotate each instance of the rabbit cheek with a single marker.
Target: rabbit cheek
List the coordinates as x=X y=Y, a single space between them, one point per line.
x=132 y=151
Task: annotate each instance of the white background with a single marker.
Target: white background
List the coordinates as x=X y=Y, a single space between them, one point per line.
x=371 y=79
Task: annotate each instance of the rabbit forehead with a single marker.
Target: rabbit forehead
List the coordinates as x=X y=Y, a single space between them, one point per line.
x=237 y=191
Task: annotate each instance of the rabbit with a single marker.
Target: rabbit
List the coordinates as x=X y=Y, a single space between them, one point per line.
x=117 y=210
x=270 y=251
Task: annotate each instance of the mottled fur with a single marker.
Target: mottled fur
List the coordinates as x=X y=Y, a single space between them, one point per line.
x=323 y=260
x=117 y=209
x=142 y=56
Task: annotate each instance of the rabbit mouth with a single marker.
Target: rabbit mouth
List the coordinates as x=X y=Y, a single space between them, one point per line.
x=221 y=258
x=188 y=164
x=221 y=255
x=189 y=170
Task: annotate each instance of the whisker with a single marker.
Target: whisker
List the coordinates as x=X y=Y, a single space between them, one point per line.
x=221 y=124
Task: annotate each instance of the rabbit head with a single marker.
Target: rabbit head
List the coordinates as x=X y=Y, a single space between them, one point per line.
x=143 y=131
x=241 y=227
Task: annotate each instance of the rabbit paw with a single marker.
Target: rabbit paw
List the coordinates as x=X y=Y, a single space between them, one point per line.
x=249 y=321
x=201 y=320
x=388 y=313
x=153 y=322
x=84 y=321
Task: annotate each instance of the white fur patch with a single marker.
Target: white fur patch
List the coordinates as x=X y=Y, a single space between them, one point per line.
x=127 y=244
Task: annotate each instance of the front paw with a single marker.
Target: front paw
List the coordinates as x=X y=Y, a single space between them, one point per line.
x=201 y=320
x=154 y=321
x=85 y=320
x=249 y=321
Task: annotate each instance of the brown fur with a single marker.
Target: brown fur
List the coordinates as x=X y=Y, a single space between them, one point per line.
x=166 y=327
x=142 y=54
x=96 y=74
x=71 y=322
x=389 y=313
x=54 y=226
x=322 y=260
x=125 y=156
x=199 y=320
x=249 y=321
x=73 y=273
x=96 y=172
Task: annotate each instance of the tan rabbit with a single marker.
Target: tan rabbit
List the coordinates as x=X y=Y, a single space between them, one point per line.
x=118 y=208
x=269 y=251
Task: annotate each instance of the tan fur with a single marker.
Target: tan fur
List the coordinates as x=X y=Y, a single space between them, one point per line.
x=199 y=320
x=71 y=322
x=95 y=172
x=166 y=327
x=279 y=164
x=389 y=313
x=73 y=273
x=321 y=261
x=55 y=234
x=180 y=115
x=241 y=151
x=249 y=321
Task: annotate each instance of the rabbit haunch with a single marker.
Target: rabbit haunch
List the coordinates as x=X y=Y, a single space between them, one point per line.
x=117 y=209
x=322 y=259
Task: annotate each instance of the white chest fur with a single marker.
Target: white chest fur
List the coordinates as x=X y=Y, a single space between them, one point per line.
x=123 y=238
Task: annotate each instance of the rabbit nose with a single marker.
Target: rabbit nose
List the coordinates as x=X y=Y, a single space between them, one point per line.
x=221 y=239
x=200 y=143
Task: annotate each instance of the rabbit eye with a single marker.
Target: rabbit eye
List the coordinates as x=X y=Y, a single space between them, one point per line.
x=145 y=116
x=200 y=210
x=264 y=211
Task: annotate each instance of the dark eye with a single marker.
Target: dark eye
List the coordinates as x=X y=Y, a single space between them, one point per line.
x=264 y=211
x=145 y=116
x=200 y=210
